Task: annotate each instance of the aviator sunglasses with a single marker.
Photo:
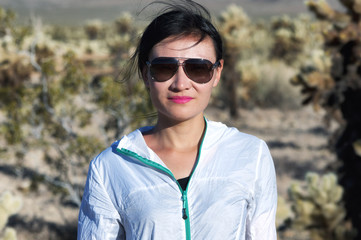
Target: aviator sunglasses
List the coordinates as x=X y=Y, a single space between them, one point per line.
x=197 y=69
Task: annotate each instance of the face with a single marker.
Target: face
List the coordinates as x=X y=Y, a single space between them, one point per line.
x=179 y=98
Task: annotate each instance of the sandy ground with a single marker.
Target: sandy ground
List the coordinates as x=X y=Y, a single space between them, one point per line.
x=297 y=140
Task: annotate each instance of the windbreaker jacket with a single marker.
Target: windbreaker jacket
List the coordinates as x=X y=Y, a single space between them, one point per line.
x=131 y=194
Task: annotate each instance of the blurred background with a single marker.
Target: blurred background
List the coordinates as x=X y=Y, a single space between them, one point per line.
x=291 y=77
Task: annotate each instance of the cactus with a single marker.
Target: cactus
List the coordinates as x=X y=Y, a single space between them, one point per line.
x=318 y=207
x=9 y=234
x=124 y=24
x=6 y=21
x=357 y=147
x=250 y=45
x=9 y=205
x=287 y=43
x=14 y=70
x=233 y=24
x=338 y=91
x=294 y=38
x=94 y=29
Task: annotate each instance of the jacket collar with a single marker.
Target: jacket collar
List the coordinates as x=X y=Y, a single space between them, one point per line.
x=135 y=141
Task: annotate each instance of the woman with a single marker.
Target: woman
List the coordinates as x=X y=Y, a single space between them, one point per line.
x=186 y=177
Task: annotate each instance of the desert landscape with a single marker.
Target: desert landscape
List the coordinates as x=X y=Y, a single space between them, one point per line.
x=61 y=103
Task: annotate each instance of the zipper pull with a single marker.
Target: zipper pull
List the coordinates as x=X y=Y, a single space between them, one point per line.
x=184 y=214
x=184 y=198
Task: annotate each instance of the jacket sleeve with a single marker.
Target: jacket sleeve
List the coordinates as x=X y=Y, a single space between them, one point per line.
x=98 y=217
x=261 y=224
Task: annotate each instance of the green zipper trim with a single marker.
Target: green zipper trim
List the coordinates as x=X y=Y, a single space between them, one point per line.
x=166 y=170
x=185 y=196
x=145 y=160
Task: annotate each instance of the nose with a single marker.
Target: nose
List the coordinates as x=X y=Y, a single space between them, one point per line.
x=180 y=80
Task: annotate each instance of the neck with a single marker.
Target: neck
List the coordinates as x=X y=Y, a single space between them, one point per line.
x=179 y=135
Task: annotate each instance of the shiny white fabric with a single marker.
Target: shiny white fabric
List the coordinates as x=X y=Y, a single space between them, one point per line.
x=232 y=193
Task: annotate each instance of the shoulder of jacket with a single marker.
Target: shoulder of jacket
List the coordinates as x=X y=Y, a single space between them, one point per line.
x=223 y=132
x=103 y=156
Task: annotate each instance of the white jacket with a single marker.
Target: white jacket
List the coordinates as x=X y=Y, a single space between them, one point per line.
x=231 y=194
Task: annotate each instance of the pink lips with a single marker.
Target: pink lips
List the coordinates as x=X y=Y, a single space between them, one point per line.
x=180 y=99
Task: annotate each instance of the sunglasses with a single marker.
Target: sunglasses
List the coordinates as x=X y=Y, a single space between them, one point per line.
x=197 y=69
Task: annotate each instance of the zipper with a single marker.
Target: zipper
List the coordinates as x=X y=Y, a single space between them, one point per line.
x=184 y=198
x=185 y=212
x=185 y=209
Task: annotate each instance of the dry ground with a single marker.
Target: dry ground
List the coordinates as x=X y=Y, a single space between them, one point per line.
x=297 y=140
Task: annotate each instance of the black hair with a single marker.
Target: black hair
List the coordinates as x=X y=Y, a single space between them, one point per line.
x=178 y=18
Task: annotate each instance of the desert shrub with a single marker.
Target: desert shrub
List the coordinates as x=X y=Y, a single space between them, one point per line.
x=128 y=105
x=75 y=78
x=7 y=18
x=54 y=92
x=271 y=87
x=59 y=33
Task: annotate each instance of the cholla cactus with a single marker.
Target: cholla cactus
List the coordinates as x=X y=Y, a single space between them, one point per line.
x=321 y=9
x=338 y=91
x=235 y=32
x=127 y=32
x=9 y=234
x=9 y=205
x=357 y=147
x=233 y=27
x=287 y=42
x=14 y=69
x=124 y=24
x=318 y=207
x=94 y=29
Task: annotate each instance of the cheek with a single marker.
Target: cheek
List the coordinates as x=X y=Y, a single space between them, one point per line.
x=157 y=89
x=206 y=91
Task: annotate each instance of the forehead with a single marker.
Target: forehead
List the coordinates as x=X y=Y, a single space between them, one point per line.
x=186 y=47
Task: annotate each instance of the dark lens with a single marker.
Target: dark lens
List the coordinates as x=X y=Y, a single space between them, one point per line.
x=199 y=70
x=163 y=69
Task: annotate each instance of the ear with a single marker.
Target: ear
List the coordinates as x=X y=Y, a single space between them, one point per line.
x=218 y=73
x=146 y=77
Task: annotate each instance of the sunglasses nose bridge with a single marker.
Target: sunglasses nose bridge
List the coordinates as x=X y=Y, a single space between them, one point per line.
x=181 y=64
x=182 y=79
